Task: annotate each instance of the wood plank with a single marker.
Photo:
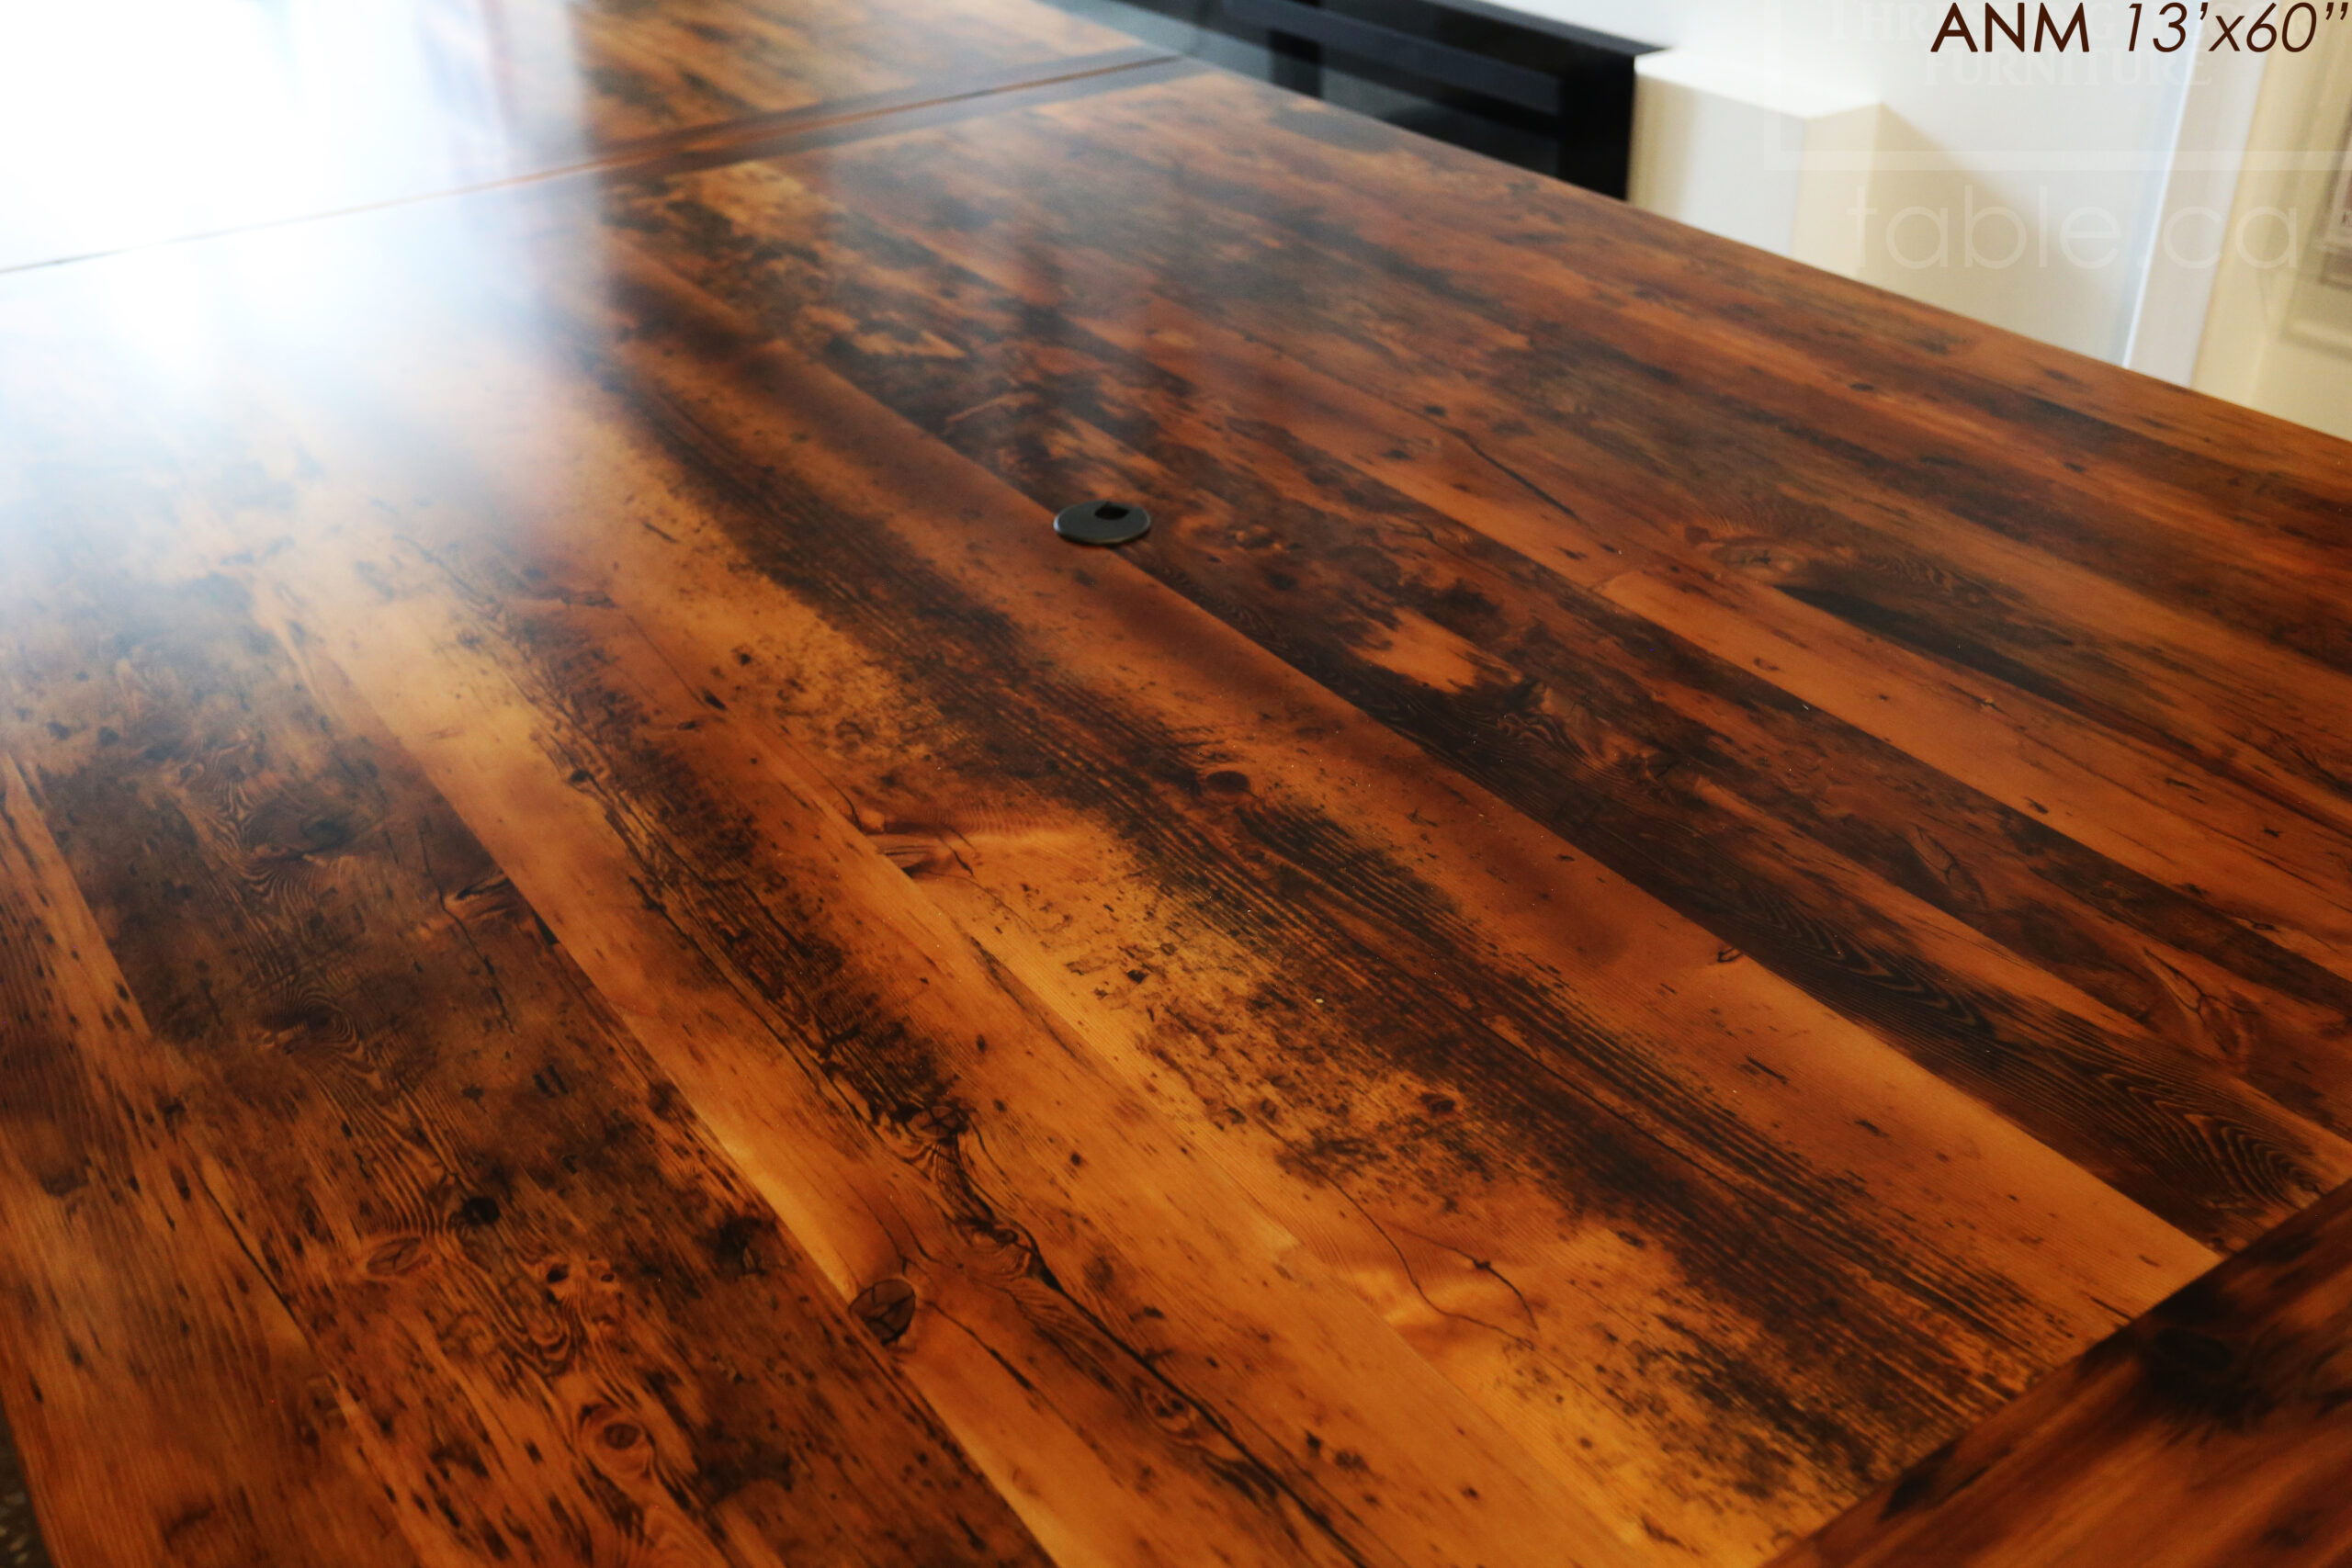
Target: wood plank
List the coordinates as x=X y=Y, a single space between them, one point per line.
x=1063 y=1230
x=1565 y=711
x=2127 y=801
x=1434 y=1010
x=2264 y=483
x=557 y=1324
x=1589 y=1177
x=1348 y=291
x=1141 y=1359
x=127 y=1301
x=1103 y=292
x=2211 y=1433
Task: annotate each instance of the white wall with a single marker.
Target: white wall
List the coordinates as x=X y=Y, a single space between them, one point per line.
x=2279 y=337
x=2060 y=165
x=1754 y=156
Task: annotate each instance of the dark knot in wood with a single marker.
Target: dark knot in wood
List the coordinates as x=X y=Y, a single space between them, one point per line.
x=886 y=1307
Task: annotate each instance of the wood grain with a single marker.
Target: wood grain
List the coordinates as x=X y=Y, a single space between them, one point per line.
x=2209 y=1432
x=1643 y=902
x=556 y=1325
x=132 y=1306
x=1545 y=324
x=1060 y=1228
x=1703 y=813
x=1714 y=1414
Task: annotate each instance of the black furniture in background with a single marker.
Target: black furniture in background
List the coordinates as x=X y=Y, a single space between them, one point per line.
x=1542 y=94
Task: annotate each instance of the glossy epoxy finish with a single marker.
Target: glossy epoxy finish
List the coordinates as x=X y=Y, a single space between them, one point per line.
x=1663 y=881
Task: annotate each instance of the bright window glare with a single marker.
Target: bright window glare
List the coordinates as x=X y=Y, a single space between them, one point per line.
x=131 y=120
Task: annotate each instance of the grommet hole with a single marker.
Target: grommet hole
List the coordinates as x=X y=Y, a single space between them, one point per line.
x=1103 y=522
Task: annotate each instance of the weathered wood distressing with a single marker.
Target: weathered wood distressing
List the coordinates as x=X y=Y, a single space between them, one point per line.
x=547 y=1315
x=1664 y=881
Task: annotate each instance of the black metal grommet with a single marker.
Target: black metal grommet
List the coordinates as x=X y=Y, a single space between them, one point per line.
x=1101 y=523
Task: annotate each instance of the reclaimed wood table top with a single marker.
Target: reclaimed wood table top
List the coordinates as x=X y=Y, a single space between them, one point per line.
x=1664 y=881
